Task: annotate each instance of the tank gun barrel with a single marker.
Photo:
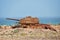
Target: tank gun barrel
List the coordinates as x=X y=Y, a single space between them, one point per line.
x=12 y=19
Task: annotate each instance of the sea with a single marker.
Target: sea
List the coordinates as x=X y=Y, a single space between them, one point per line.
x=4 y=21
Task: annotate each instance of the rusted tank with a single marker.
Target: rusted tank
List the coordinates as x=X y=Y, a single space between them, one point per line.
x=31 y=22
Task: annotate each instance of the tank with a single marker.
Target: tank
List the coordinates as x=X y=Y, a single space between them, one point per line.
x=30 y=22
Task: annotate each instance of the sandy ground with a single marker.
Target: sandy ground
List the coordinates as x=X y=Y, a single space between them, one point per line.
x=28 y=34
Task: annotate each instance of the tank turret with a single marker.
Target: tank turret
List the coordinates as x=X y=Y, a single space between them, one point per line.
x=27 y=20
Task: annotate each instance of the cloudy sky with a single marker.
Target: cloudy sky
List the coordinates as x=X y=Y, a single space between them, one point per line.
x=36 y=8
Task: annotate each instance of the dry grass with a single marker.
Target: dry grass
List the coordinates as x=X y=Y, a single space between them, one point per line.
x=28 y=34
x=36 y=34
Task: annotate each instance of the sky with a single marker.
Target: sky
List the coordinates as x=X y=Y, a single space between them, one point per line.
x=35 y=8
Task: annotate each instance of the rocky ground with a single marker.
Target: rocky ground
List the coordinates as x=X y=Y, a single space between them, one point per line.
x=28 y=34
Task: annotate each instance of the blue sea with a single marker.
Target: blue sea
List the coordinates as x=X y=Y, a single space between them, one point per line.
x=3 y=21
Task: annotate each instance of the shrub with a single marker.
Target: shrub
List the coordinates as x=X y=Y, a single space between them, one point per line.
x=16 y=31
